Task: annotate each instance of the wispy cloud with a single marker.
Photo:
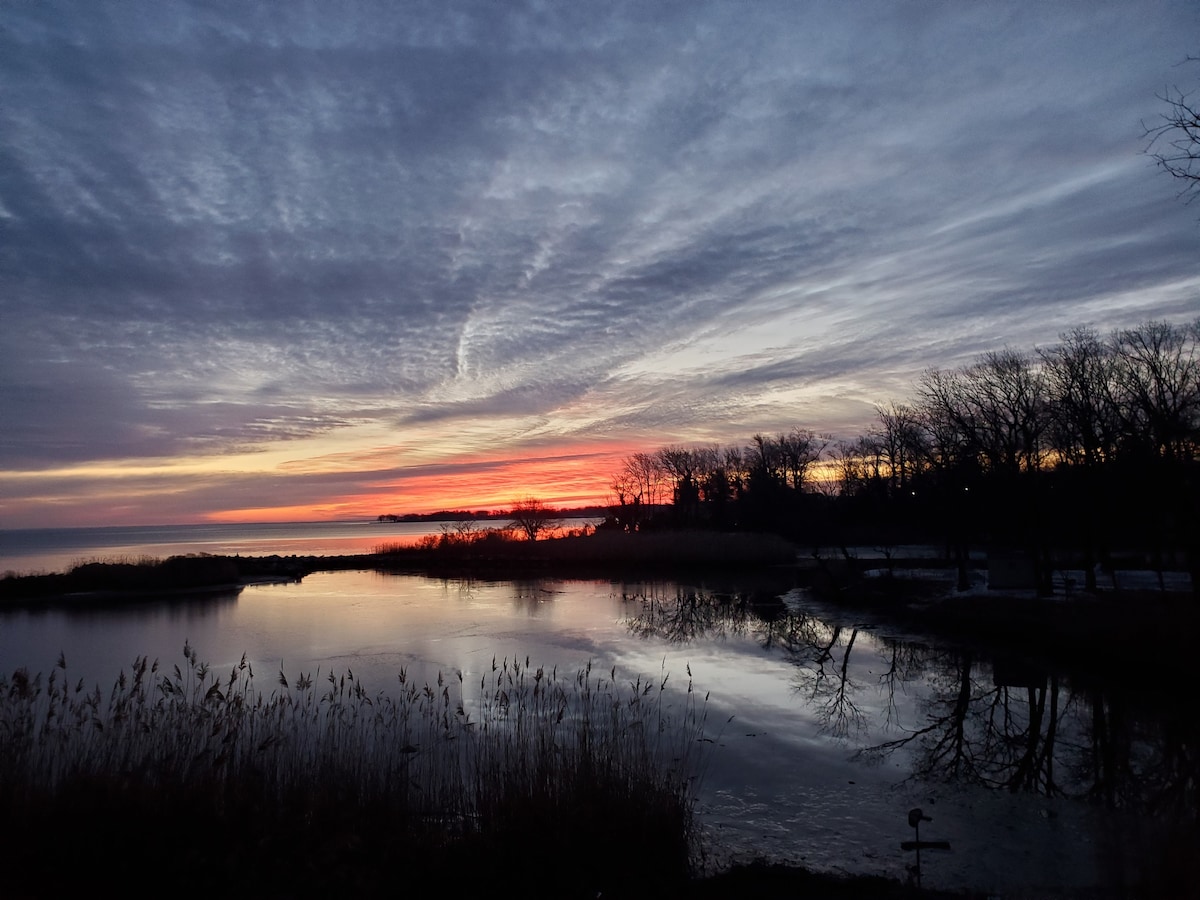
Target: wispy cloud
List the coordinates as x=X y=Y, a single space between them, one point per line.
x=228 y=232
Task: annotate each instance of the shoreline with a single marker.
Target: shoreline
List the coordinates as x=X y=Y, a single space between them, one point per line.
x=1086 y=632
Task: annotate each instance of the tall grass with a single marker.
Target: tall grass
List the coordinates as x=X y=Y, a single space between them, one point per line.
x=571 y=785
x=583 y=547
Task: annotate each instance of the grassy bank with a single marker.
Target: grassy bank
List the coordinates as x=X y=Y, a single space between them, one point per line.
x=192 y=781
x=126 y=577
x=606 y=550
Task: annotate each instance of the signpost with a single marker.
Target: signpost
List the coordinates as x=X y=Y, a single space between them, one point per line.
x=915 y=818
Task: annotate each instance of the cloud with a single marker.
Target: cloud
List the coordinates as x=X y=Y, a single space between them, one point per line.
x=224 y=230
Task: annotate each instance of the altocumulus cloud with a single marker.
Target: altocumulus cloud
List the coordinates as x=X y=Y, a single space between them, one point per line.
x=225 y=227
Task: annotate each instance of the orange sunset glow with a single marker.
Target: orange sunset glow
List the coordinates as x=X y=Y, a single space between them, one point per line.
x=580 y=478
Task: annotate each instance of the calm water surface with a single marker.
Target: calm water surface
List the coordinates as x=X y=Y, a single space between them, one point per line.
x=826 y=730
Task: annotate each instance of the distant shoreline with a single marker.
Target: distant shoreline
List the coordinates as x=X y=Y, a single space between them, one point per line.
x=580 y=556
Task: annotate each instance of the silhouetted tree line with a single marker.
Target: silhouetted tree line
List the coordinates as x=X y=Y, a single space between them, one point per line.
x=1086 y=448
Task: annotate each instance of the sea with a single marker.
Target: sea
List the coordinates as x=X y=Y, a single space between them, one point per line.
x=37 y=551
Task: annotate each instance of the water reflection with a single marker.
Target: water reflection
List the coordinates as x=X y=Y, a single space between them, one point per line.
x=819 y=648
x=99 y=609
x=100 y=637
x=989 y=731
x=531 y=596
x=681 y=615
x=999 y=723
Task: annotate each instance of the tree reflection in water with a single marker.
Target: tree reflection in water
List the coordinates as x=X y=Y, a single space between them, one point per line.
x=681 y=614
x=1003 y=724
x=822 y=660
x=1001 y=733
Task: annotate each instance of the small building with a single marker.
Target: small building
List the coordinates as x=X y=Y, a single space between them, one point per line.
x=1011 y=570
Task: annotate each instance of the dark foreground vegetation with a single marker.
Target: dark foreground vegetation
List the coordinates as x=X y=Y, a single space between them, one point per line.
x=194 y=782
x=120 y=579
x=190 y=782
x=586 y=552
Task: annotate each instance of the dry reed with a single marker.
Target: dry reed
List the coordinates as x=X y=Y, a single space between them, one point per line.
x=319 y=784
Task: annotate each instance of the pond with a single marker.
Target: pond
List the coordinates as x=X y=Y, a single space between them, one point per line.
x=826 y=728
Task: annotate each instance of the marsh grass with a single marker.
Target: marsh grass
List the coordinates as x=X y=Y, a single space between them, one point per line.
x=561 y=786
x=590 y=547
x=465 y=538
x=125 y=576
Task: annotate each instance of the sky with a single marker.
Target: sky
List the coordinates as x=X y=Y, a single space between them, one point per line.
x=317 y=260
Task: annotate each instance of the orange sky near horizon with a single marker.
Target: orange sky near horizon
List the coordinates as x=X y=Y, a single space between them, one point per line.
x=580 y=478
x=565 y=477
x=312 y=487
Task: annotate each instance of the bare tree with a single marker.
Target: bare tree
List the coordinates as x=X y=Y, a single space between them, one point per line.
x=953 y=458
x=1085 y=434
x=764 y=461
x=1159 y=373
x=902 y=442
x=1007 y=397
x=799 y=450
x=648 y=476
x=1175 y=140
x=533 y=517
x=627 y=492
x=735 y=470
x=684 y=466
x=944 y=414
x=638 y=487
x=1081 y=385
x=856 y=464
x=1158 y=369
x=994 y=410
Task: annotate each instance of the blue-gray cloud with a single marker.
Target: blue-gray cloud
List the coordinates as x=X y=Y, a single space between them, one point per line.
x=221 y=226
